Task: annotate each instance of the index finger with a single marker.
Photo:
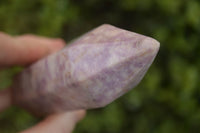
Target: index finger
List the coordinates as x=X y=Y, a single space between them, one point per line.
x=26 y=49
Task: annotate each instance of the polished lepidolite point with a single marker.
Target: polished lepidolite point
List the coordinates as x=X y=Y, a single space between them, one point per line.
x=91 y=72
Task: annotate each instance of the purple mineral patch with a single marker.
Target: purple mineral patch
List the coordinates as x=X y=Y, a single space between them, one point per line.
x=91 y=72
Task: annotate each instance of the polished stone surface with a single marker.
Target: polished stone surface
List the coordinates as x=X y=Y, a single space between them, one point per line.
x=91 y=72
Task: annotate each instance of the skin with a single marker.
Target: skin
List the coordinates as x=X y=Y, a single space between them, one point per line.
x=24 y=50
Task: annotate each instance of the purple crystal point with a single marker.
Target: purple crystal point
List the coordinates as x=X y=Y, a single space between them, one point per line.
x=91 y=72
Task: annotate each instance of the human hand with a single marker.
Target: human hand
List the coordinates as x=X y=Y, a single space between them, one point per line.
x=24 y=50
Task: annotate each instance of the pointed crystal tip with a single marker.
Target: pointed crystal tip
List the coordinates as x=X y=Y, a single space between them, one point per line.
x=151 y=43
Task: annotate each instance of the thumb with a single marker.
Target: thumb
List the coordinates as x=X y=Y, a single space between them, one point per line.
x=58 y=123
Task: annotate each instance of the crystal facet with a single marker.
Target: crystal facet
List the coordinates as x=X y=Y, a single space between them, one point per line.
x=89 y=73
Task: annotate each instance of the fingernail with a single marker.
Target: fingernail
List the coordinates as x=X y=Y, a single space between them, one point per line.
x=58 y=44
x=80 y=115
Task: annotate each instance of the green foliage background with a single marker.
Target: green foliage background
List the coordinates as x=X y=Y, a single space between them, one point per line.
x=168 y=98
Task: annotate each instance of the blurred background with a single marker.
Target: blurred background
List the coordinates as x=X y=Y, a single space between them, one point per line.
x=168 y=98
